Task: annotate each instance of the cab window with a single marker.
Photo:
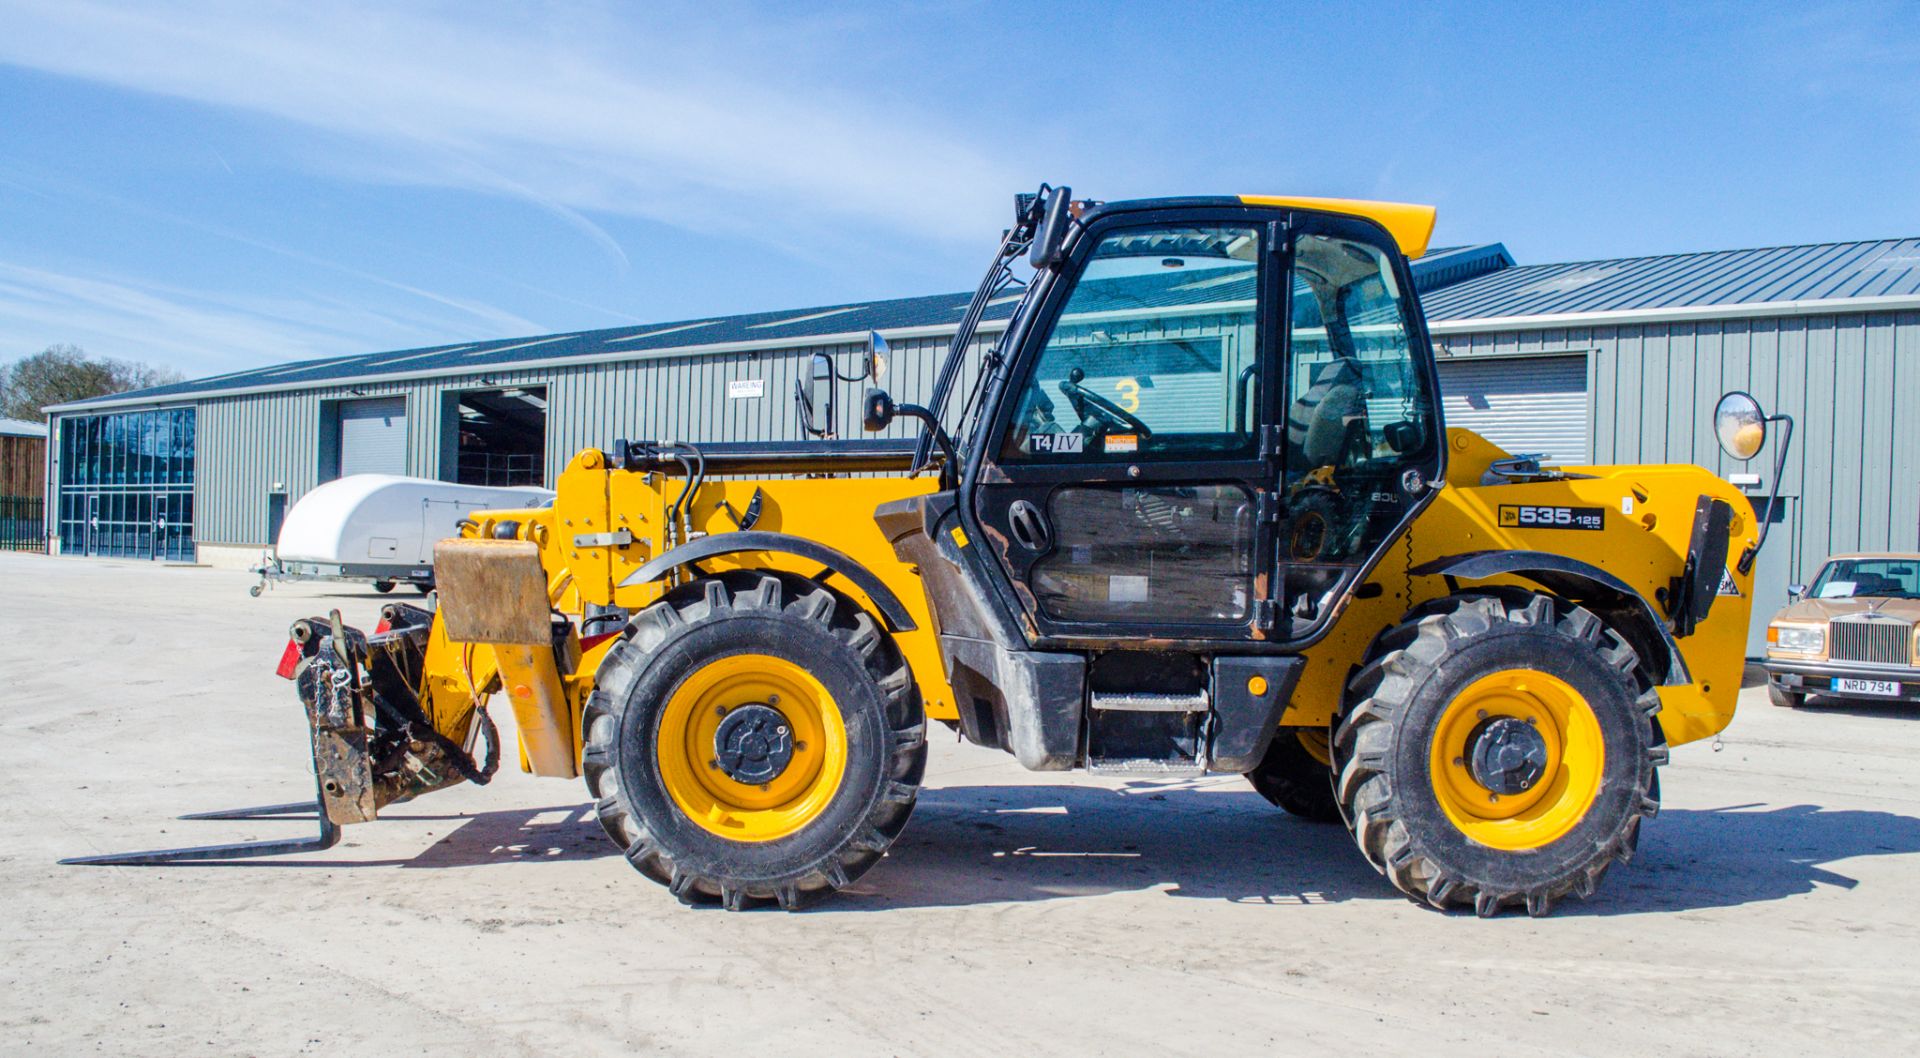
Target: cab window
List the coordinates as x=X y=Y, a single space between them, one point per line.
x=1154 y=354
x=1361 y=432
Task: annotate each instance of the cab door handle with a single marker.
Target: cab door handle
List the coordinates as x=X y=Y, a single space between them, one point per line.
x=1029 y=526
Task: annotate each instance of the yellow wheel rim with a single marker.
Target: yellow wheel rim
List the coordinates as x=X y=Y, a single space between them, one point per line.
x=1568 y=784
x=1314 y=740
x=740 y=811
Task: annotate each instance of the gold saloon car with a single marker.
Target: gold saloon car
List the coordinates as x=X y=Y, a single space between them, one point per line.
x=1850 y=634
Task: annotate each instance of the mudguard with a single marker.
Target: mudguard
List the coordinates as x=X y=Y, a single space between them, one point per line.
x=1581 y=582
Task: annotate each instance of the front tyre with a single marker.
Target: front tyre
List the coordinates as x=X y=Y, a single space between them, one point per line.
x=1500 y=749
x=755 y=738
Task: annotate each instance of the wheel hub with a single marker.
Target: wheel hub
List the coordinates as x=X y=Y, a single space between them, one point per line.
x=1506 y=754
x=753 y=744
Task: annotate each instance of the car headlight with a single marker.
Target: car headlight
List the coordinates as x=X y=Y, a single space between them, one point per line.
x=1801 y=639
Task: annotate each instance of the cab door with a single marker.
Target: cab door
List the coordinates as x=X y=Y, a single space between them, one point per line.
x=1123 y=485
x=1363 y=439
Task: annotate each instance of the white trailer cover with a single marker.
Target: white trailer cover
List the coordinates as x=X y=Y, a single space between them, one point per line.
x=382 y=520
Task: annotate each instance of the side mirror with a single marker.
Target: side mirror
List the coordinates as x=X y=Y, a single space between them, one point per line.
x=878 y=353
x=879 y=410
x=1796 y=592
x=1740 y=425
x=1046 y=249
x=813 y=396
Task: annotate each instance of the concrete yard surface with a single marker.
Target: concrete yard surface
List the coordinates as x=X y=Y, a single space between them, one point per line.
x=1774 y=906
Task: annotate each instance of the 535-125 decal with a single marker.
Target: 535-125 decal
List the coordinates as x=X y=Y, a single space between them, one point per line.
x=1520 y=516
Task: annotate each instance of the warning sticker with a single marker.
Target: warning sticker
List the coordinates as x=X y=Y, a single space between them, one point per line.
x=1513 y=516
x=1123 y=442
x=1059 y=444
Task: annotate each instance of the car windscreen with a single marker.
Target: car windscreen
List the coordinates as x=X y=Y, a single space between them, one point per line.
x=1877 y=577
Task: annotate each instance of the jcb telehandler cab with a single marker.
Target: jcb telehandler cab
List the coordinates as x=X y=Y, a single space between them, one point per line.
x=1195 y=510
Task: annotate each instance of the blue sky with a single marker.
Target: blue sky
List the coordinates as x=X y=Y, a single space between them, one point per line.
x=217 y=186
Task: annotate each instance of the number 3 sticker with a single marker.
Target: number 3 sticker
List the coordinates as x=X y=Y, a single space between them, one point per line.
x=1129 y=391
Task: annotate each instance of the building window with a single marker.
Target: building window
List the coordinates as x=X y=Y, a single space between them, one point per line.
x=125 y=486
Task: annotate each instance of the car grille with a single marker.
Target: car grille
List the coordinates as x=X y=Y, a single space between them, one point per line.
x=1878 y=642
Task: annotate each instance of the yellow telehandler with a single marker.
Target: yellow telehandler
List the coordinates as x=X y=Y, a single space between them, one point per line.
x=1195 y=511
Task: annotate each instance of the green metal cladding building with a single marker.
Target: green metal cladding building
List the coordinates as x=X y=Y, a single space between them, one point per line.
x=1615 y=361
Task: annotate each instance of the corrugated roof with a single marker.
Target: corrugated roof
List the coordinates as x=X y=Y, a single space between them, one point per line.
x=849 y=322
x=1886 y=268
x=22 y=428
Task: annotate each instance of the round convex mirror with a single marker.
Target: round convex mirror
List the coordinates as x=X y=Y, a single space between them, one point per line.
x=1740 y=425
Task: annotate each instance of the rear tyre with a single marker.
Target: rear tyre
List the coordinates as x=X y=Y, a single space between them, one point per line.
x=383 y=586
x=1784 y=698
x=1499 y=750
x=1296 y=775
x=755 y=738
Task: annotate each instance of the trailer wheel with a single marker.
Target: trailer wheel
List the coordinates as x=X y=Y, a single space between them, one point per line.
x=1500 y=749
x=1296 y=774
x=756 y=738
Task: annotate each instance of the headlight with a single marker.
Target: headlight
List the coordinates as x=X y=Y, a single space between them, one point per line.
x=1801 y=639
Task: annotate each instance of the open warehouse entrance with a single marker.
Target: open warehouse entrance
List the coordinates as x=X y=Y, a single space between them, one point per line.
x=496 y=436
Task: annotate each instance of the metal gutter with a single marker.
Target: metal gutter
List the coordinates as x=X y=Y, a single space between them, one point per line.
x=1679 y=314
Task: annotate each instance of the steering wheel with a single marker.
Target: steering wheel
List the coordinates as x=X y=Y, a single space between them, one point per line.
x=1083 y=399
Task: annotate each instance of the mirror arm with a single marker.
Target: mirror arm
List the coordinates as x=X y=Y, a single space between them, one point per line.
x=881 y=411
x=936 y=431
x=1773 y=493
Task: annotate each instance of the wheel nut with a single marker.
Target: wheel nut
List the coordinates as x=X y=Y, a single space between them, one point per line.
x=798 y=746
x=719 y=710
x=1482 y=714
x=1459 y=762
x=773 y=699
x=765 y=787
x=714 y=763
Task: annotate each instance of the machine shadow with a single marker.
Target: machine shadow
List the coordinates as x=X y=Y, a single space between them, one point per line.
x=1015 y=844
x=1695 y=859
x=1009 y=844
x=556 y=832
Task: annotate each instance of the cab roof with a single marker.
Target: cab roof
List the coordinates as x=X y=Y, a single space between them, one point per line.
x=1410 y=225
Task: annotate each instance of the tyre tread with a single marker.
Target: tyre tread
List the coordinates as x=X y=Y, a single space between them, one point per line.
x=716 y=598
x=1380 y=694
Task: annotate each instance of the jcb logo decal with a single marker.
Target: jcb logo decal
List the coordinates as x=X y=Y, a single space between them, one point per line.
x=1524 y=517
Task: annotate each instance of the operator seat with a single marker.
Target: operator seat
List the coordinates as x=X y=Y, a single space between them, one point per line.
x=1318 y=422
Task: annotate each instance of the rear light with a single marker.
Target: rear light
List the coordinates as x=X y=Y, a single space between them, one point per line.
x=589 y=642
x=383 y=626
x=289 y=661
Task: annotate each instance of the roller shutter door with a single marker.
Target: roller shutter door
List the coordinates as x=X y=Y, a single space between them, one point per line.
x=373 y=436
x=1526 y=405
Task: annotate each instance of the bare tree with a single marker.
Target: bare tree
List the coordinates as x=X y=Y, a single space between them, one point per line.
x=62 y=373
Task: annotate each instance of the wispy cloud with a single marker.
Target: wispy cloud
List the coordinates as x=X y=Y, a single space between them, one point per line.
x=564 y=107
x=129 y=319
